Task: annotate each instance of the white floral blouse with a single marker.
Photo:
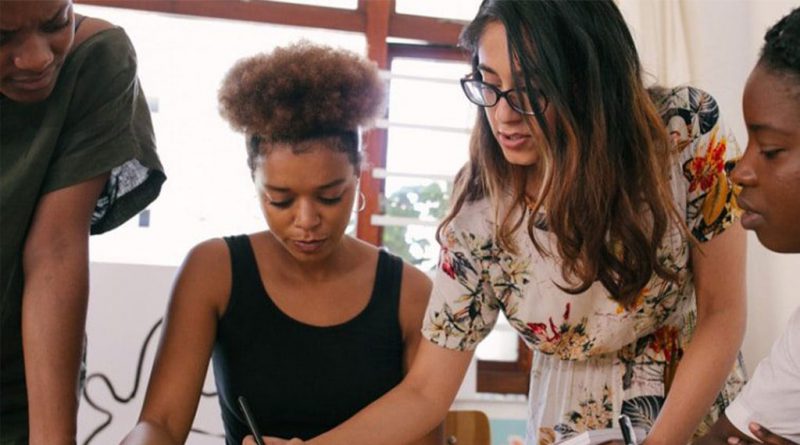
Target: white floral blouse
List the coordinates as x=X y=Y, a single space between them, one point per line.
x=592 y=358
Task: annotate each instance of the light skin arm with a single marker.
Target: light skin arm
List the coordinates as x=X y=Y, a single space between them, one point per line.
x=199 y=295
x=433 y=377
x=54 y=301
x=719 y=276
x=417 y=405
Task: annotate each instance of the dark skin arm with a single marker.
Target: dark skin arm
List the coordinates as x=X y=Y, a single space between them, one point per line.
x=54 y=302
x=723 y=432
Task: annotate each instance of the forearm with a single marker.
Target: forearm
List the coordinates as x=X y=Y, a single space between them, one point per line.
x=706 y=364
x=53 y=324
x=720 y=432
x=149 y=433
x=402 y=416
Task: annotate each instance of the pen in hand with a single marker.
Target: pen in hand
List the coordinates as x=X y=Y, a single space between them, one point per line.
x=248 y=417
x=628 y=436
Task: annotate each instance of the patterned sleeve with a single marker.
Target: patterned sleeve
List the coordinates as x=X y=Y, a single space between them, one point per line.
x=463 y=309
x=707 y=151
x=108 y=130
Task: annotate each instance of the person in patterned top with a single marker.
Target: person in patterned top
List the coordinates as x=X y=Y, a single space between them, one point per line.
x=598 y=217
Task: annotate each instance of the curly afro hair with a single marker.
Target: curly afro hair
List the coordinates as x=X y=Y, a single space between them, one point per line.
x=781 y=52
x=301 y=91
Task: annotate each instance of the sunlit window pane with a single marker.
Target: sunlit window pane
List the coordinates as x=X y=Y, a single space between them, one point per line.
x=449 y=9
x=208 y=193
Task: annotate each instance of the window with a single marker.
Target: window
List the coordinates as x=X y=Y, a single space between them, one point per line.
x=209 y=193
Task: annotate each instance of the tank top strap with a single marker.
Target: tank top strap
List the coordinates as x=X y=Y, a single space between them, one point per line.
x=245 y=277
x=386 y=290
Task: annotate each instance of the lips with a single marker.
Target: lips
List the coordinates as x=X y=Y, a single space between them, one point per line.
x=34 y=82
x=512 y=141
x=308 y=246
x=750 y=219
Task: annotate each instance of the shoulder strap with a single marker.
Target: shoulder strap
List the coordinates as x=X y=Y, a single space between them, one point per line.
x=245 y=278
x=388 y=280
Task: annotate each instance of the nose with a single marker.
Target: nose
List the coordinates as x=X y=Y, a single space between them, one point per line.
x=503 y=111
x=307 y=216
x=34 y=54
x=744 y=174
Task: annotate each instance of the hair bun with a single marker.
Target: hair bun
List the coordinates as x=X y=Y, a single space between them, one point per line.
x=301 y=90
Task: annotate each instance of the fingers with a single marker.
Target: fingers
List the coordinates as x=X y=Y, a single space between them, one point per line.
x=768 y=436
x=249 y=440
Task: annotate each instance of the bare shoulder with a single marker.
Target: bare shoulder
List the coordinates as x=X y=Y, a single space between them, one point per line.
x=416 y=287
x=206 y=274
x=89 y=27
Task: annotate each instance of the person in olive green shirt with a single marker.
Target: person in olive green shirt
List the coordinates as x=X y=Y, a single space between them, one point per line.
x=77 y=156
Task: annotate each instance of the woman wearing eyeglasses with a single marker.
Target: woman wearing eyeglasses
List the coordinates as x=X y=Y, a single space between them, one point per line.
x=597 y=216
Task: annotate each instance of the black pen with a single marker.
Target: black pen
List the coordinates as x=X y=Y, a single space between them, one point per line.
x=628 y=436
x=248 y=417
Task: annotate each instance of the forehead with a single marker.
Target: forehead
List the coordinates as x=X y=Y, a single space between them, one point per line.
x=772 y=99
x=493 y=47
x=22 y=13
x=314 y=164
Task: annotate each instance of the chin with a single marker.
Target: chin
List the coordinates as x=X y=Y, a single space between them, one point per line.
x=521 y=159
x=781 y=243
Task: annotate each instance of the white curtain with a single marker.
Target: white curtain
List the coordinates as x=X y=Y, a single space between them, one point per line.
x=660 y=34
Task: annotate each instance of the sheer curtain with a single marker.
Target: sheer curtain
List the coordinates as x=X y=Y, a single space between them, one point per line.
x=660 y=34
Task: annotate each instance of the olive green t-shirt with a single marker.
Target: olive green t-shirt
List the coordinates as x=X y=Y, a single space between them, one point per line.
x=96 y=120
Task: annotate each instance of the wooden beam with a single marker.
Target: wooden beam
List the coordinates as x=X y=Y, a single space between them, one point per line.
x=427 y=29
x=264 y=11
x=433 y=52
x=376 y=13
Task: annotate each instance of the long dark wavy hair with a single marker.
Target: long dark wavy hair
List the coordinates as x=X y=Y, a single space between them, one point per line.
x=604 y=162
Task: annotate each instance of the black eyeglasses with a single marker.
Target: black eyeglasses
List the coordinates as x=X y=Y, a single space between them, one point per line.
x=487 y=95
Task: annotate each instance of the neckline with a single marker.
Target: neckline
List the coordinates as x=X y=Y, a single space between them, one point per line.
x=379 y=266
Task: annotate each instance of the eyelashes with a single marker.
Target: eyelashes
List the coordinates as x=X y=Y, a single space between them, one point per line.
x=285 y=204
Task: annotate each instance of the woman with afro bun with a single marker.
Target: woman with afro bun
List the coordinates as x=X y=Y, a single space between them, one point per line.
x=307 y=323
x=768 y=408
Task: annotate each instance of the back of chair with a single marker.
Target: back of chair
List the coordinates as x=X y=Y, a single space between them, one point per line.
x=467 y=428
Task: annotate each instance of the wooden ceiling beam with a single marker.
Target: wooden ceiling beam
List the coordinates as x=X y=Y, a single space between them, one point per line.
x=426 y=29
x=253 y=11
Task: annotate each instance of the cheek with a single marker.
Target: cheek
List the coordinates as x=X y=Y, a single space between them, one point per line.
x=61 y=43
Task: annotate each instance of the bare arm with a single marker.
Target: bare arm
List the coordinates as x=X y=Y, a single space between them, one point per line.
x=415 y=406
x=198 y=299
x=719 y=272
x=415 y=292
x=720 y=432
x=54 y=302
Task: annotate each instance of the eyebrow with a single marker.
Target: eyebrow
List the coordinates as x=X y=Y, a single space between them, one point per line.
x=51 y=19
x=483 y=67
x=767 y=127
x=329 y=185
x=58 y=13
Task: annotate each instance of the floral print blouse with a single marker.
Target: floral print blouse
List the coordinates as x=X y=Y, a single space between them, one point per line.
x=592 y=358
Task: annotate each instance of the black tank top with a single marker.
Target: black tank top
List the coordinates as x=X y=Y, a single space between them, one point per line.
x=302 y=380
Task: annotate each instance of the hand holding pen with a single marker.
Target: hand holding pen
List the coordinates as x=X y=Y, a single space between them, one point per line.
x=256 y=438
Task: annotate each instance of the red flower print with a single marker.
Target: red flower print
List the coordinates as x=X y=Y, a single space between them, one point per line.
x=539 y=329
x=702 y=172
